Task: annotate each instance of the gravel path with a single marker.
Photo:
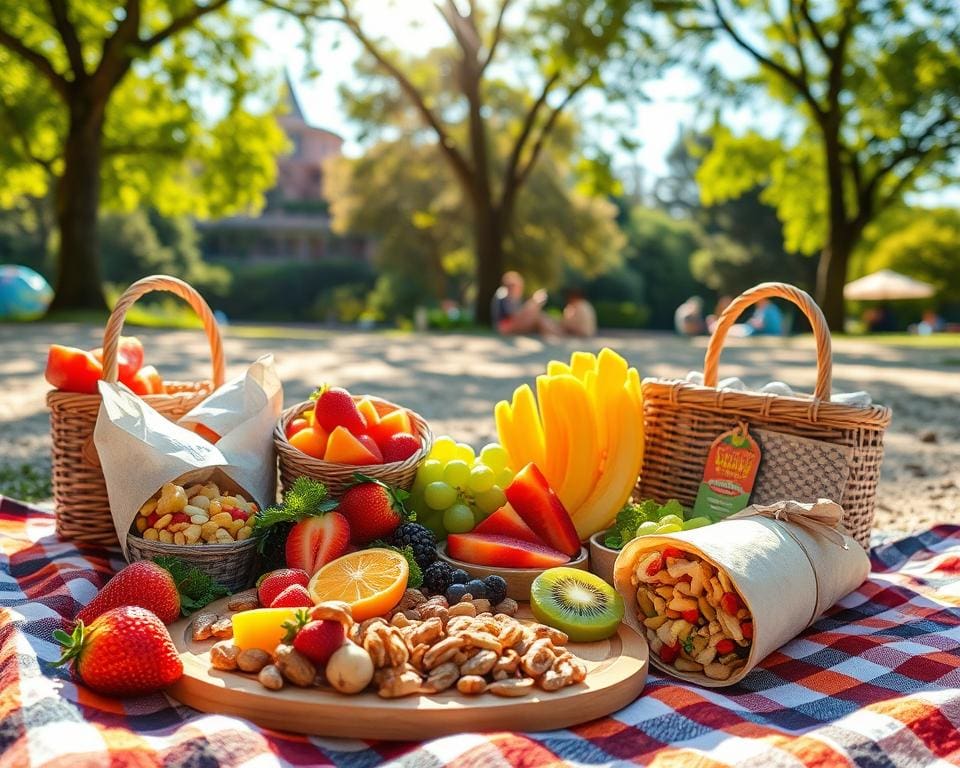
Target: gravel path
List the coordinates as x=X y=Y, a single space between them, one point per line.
x=454 y=380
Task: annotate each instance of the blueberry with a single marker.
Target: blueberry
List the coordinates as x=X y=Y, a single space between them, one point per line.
x=455 y=593
x=476 y=588
x=459 y=576
x=496 y=588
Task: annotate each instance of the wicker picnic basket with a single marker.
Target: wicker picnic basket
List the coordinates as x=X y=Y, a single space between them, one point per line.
x=682 y=419
x=79 y=490
x=294 y=463
x=230 y=565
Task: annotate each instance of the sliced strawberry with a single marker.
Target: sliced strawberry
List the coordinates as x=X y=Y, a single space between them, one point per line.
x=273 y=583
x=315 y=541
x=502 y=551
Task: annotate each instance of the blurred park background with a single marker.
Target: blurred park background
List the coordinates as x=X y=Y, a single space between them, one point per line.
x=347 y=161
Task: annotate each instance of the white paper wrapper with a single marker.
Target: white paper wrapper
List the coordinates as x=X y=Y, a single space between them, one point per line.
x=787 y=573
x=140 y=450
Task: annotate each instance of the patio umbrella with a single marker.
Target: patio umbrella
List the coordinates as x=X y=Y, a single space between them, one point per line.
x=887 y=285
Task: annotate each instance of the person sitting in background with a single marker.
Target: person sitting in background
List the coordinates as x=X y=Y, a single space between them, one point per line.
x=579 y=316
x=688 y=319
x=511 y=315
x=931 y=323
x=722 y=303
x=767 y=320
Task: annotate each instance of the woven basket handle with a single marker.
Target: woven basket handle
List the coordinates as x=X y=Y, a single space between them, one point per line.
x=111 y=334
x=774 y=291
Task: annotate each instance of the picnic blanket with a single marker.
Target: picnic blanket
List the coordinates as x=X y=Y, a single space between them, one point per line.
x=874 y=684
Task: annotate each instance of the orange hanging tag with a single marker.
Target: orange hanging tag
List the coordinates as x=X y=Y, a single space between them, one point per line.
x=729 y=474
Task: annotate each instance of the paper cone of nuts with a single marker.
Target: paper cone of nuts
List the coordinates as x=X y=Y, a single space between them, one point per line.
x=713 y=602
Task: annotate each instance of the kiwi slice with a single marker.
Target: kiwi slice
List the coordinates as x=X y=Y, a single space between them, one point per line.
x=577 y=602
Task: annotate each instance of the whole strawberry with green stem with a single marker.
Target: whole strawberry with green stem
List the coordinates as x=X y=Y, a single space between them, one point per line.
x=373 y=509
x=127 y=651
x=167 y=587
x=315 y=639
x=335 y=408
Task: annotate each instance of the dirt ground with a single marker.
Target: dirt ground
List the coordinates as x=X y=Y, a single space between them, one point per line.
x=454 y=381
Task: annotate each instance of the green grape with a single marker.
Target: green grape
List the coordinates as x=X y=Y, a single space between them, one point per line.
x=458 y=519
x=504 y=477
x=669 y=528
x=443 y=449
x=672 y=520
x=430 y=472
x=481 y=479
x=490 y=500
x=465 y=453
x=439 y=495
x=696 y=522
x=456 y=473
x=494 y=456
x=645 y=529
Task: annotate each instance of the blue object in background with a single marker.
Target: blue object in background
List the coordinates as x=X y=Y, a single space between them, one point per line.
x=24 y=294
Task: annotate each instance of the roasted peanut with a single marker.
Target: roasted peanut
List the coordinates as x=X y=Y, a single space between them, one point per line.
x=223 y=655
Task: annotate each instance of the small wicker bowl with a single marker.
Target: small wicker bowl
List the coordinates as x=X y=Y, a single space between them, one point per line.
x=295 y=463
x=602 y=557
x=230 y=565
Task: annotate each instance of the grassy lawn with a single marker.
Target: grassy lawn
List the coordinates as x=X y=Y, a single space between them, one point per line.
x=24 y=482
x=934 y=341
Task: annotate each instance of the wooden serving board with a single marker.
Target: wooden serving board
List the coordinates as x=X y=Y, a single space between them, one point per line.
x=617 y=671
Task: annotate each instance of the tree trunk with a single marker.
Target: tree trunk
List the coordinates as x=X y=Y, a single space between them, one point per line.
x=78 y=282
x=832 y=268
x=831 y=277
x=488 y=247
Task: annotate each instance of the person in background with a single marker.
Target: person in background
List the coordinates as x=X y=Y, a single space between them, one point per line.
x=931 y=323
x=579 y=316
x=688 y=318
x=511 y=315
x=767 y=320
x=722 y=303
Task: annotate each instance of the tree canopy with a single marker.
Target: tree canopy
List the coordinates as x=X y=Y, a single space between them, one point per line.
x=146 y=102
x=862 y=105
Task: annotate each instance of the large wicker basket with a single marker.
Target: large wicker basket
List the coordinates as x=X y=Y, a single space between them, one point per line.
x=79 y=491
x=681 y=419
x=294 y=463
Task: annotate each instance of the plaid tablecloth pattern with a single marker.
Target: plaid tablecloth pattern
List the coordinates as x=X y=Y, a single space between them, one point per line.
x=873 y=684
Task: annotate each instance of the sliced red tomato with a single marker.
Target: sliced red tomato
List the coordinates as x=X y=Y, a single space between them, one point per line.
x=73 y=370
x=129 y=358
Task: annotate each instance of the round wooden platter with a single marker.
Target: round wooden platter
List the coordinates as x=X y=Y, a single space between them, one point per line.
x=617 y=671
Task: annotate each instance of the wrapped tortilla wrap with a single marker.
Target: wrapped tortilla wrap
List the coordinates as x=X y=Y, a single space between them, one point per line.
x=786 y=563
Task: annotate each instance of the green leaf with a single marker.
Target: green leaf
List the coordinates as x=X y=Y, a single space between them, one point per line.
x=305 y=498
x=196 y=588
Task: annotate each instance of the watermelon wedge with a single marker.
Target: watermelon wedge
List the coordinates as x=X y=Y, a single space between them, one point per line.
x=506 y=522
x=502 y=551
x=540 y=508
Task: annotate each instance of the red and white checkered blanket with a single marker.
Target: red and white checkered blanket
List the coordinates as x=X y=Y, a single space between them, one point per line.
x=874 y=684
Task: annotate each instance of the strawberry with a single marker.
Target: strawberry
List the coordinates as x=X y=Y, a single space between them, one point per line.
x=725 y=646
x=273 y=583
x=370 y=444
x=317 y=640
x=730 y=603
x=142 y=583
x=125 y=652
x=294 y=596
x=373 y=509
x=335 y=408
x=315 y=541
x=400 y=447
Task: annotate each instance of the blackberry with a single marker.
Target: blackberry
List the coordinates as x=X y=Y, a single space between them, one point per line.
x=420 y=539
x=459 y=576
x=437 y=577
x=455 y=593
x=476 y=588
x=496 y=589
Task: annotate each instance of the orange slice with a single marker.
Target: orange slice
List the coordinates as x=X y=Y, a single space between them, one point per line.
x=371 y=580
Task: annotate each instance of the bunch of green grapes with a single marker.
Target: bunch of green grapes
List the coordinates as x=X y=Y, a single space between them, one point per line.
x=455 y=489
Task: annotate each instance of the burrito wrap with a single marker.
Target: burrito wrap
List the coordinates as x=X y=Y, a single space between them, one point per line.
x=789 y=562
